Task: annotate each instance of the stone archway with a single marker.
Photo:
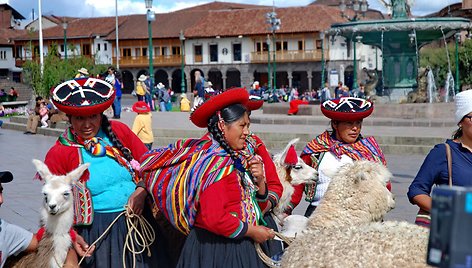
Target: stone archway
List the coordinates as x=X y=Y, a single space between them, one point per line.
x=160 y=76
x=216 y=78
x=128 y=82
x=177 y=81
x=233 y=78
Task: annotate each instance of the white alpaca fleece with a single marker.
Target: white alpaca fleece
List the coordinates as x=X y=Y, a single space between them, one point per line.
x=372 y=245
x=291 y=176
x=57 y=216
x=357 y=194
x=342 y=231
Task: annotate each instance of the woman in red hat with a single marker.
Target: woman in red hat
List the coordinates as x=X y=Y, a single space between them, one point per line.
x=111 y=182
x=209 y=188
x=334 y=148
x=142 y=125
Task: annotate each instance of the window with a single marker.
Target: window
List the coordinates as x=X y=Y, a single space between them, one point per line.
x=86 y=49
x=18 y=52
x=281 y=45
x=176 y=51
x=259 y=46
x=214 y=53
x=157 y=51
x=318 y=44
x=144 y=50
x=126 y=52
x=198 y=53
x=137 y=52
x=105 y=48
x=164 y=51
x=62 y=48
x=237 y=52
x=301 y=45
x=98 y=47
x=3 y=55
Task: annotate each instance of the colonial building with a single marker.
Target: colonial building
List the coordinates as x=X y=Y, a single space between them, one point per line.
x=227 y=42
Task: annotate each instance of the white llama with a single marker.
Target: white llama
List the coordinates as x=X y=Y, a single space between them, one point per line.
x=291 y=175
x=57 y=216
x=344 y=230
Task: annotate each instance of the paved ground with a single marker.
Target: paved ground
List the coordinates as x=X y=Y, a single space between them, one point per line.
x=22 y=197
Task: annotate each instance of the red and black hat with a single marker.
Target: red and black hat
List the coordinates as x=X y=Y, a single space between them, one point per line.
x=202 y=113
x=347 y=109
x=141 y=107
x=83 y=96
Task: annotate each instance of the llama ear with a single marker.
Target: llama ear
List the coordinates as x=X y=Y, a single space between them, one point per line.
x=289 y=150
x=75 y=174
x=42 y=169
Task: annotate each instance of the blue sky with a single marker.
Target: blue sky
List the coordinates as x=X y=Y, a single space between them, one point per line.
x=96 y=8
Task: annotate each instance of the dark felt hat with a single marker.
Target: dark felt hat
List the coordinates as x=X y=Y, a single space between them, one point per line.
x=6 y=176
x=347 y=109
x=83 y=96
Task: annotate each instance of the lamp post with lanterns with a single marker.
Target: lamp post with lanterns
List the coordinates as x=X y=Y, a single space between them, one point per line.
x=274 y=25
x=269 y=76
x=457 y=87
x=322 y=37
x=358 y=6
x=182 y=55
x=150 y=16
x=64 y=26
x=354 y=76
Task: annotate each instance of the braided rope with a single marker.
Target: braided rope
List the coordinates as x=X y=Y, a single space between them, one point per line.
x=140 y=232
x=266 y=259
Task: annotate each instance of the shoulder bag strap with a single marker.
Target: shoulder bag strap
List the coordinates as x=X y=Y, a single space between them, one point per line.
x=449 y=163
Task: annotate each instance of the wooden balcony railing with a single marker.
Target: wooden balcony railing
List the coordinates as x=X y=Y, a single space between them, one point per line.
x=198 y=58
x=289 y=56
x=170 y=60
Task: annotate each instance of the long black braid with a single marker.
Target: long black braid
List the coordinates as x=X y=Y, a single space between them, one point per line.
x=229 y=114
x=106 y=127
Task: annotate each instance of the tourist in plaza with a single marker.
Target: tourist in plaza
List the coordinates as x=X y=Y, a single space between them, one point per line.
x=199 y=90
x=43 y=114
x=163 y=97
x=142 y=125
x=141 y=88
x=325 y=93
x=81 y=73
x=435 y=170
x=338 y=89
x=184 y=103
x=222 y=217
x=12 y=94
x=34 y=118
x=338 y=146
x=118 y=84
x=148 y=97
x=112 y=181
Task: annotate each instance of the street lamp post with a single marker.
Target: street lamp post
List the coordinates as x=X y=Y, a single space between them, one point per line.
x=358 y=6
x=64 y=26
x=269 y=76
x=182 y=55
x=274 y=23
x=150 y=18
x=458 y=36
x=354 y=76
x=322 y=37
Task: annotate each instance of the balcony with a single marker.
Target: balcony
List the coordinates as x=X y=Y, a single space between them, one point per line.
x=290 y=56
x=143 y=61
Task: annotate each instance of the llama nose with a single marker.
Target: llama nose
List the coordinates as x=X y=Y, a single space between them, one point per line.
x=52 y=206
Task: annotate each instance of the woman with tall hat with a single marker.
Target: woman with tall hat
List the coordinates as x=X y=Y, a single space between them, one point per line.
x=333 y=148
x=209 y=189
x=111 y=182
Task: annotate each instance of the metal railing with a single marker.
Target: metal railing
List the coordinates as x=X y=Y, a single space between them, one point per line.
x=141 y=61
x=290 y=56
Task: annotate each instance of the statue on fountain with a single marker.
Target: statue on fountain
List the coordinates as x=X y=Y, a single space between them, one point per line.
x=371 y=82
x=399 y=9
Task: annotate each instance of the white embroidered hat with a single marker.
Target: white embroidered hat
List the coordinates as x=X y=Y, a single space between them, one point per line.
x=463 y=104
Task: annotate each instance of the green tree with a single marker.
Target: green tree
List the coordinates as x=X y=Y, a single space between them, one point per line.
x=56 y=70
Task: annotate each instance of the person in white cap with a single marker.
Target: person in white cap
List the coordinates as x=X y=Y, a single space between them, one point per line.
x=434 y=170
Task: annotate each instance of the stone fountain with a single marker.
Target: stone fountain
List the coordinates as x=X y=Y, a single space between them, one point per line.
x=399 y=39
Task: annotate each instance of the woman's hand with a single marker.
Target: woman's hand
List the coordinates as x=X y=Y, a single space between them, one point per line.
x=260 y=234
x=137 y=199
x=81 y=247
x=256 y=167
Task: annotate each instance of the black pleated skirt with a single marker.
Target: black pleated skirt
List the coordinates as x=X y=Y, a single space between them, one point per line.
x=109 y=250
x=272 y=248
x=206 y=249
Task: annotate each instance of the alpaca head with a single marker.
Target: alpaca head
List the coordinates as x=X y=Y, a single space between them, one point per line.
x=294 y=171
x=57 y=189
x=360 y=189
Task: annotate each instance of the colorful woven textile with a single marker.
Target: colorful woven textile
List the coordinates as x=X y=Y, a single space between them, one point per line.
x=177 y=174
x=365 y=148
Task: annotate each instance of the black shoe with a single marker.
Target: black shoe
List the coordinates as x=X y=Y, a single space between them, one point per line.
x=26 y=132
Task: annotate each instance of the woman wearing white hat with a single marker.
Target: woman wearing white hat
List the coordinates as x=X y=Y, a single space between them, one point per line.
x=435 y=170
x=141 y=88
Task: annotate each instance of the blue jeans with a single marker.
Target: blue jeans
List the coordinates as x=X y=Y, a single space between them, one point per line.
x=162 y=105
x=148 y=99
x=117 y=107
